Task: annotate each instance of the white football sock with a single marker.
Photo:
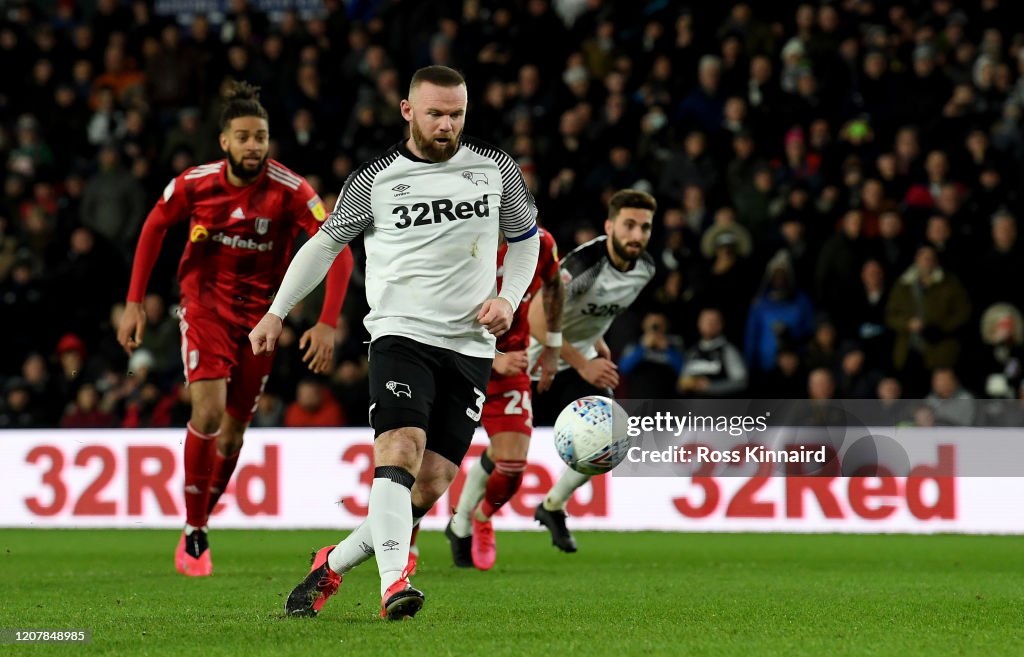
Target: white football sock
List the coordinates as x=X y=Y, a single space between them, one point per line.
x=354 y=550
x=390 y=521
x=563 y=489
x=472 y=493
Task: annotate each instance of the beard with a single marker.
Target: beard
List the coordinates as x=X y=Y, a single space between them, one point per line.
x=622 y=249
x=432 y=150
x=241 y=170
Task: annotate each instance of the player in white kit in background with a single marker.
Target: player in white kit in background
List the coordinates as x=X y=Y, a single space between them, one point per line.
x=602 y=278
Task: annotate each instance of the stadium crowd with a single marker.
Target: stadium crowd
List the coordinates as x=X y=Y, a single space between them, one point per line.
x=837 y=184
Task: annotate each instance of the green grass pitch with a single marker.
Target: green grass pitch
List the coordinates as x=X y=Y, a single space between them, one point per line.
x=622 y=594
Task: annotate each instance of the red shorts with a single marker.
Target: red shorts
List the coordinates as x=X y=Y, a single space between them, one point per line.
x=212 y=348
x=508 y=406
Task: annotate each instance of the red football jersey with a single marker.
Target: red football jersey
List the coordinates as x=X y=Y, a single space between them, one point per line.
x=240 y=239
x=518 y=336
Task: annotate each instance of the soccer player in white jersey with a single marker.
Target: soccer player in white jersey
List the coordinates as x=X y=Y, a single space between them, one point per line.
x=602 y=278
x=430 y=209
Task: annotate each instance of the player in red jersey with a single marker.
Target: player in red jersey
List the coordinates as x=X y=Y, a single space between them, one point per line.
x=507 y=416
x=244 y=213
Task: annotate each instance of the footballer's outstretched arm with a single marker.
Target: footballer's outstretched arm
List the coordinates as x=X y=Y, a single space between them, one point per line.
x=169 y=210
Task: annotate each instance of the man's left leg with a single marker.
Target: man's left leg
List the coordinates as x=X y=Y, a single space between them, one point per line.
x=245 y=387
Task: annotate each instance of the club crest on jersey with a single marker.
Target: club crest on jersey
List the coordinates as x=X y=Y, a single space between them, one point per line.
x=475 y=178
x=262 y=225
x=398 y=388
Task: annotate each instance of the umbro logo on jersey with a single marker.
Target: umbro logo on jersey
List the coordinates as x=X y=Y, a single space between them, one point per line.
x=238 y=214
x=401 y=190
x=398 y=388
x=475 y=178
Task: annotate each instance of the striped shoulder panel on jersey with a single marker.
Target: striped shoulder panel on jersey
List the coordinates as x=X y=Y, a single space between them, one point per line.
x=279 y=174
x=204 y=170
x=582 y=265
x=353 y=212
x=516 y=200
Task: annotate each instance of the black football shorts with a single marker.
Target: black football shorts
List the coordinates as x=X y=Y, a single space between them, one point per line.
x=438 y=390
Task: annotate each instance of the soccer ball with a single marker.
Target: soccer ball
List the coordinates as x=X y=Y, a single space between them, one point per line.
x=584 y=435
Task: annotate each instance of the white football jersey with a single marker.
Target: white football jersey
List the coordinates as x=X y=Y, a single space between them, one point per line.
x=596 y=292
x=431 y=236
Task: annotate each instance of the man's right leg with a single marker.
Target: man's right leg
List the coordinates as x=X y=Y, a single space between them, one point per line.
x=208 y=400
x=385 y=533
x=331 y=563
x=401 y=396
x=208 y=354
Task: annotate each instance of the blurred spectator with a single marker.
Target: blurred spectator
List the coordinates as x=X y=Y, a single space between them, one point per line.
x=854 y=380
x=890 y=248
x=162 y=336
x=862 y=317
x=1000 y=368
x=22 y=296
x=31 y=155
x=269 y=411
x=106 y=124
x=16 y=410
x=952 y=403
x=702 y=109
x=113 y=205
x=927 y=308
x=313 y=407
x=823 y=349
x=839 y=264
x=90 y=270
x=85 y=412
x=1000 y=270
x=726 y=282
x=652 y=365
x=186 y=136
x=714 y=367
x=170 y=72
x=890 y=395
x=780 y=313
x=71 y=354
x=44 y=403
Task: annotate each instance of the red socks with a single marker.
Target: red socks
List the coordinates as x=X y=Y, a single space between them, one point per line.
x=200 y=449
x=223 y=468
x=502 y=484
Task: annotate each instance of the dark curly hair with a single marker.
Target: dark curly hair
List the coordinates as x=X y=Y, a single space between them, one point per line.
x=241 y=99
